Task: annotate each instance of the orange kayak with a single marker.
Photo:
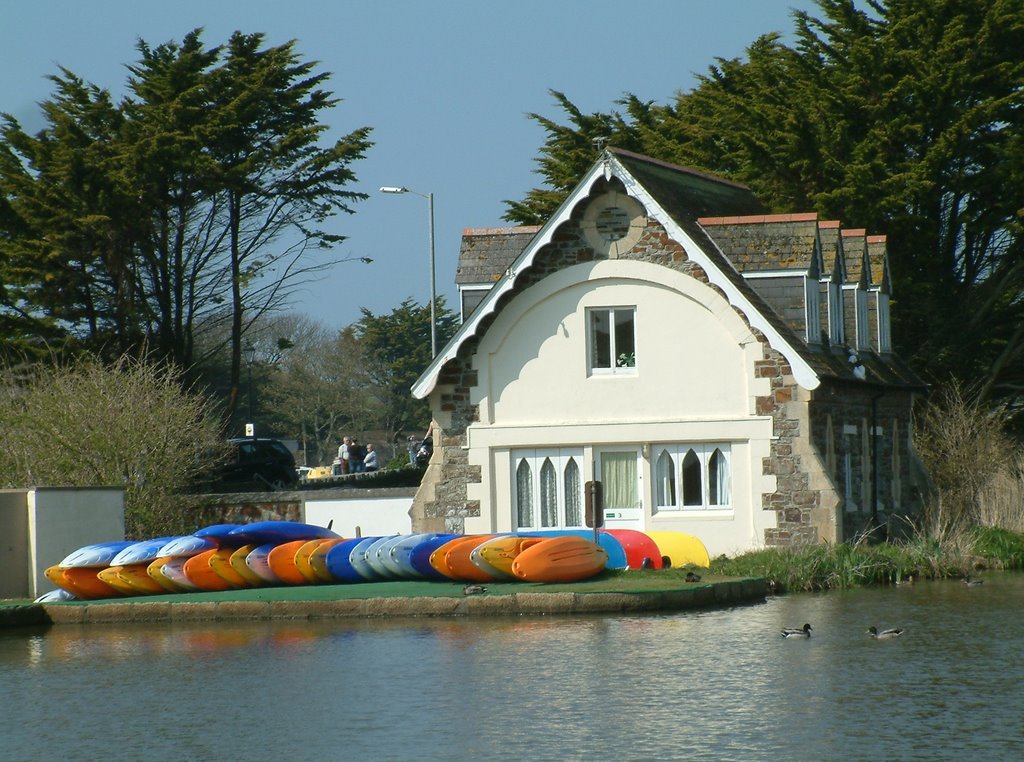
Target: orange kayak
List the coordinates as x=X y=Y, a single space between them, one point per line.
x=82 y=583
x=560 y=559
x=282 y=562
x=452 y=559
x=500 y=552
x=201 y=574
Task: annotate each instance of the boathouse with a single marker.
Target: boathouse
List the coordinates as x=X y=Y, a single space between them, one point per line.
x=722 y=371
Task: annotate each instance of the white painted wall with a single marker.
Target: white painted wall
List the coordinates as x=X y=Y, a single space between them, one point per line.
x=694 y=381
x=372 y=515
x=56 y=521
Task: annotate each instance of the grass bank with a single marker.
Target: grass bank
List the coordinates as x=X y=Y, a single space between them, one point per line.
x=825 y=567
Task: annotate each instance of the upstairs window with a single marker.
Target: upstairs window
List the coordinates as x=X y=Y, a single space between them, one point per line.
x=612 y=340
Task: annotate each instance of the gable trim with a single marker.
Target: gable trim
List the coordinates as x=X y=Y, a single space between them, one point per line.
x=608 y=166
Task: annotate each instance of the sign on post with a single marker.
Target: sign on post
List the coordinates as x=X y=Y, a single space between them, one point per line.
x=593 y=496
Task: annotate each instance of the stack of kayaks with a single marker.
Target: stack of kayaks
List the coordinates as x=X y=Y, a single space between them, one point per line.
x=266 y=553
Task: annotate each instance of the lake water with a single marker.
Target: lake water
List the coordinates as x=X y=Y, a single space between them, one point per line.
x=714 y=685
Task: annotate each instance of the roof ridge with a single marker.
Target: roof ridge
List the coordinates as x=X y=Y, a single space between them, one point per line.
x=676 y=167
x=522 y=229
x=753 y=219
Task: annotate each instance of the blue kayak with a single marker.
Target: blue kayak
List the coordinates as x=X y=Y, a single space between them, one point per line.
x=280 y=532
x=140 y=552
x=339 y=561
x=419 y=556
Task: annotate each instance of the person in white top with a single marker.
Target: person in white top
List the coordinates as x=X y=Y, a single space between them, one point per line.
x=370 y=461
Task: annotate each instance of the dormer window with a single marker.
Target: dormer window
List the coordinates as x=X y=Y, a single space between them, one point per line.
x=884 y=331
x=813 y=311
x=612 y=340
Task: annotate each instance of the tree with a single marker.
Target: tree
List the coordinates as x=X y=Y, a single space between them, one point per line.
x=124 y=225
x=94 y=424
x=905 y=118
x=397 y=349
x=318 y=387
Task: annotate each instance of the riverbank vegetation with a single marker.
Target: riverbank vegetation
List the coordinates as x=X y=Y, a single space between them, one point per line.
x=973 y=517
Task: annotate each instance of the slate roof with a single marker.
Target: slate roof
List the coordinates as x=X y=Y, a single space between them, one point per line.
x=486 y=253
x=718 y=215
x=772 y=242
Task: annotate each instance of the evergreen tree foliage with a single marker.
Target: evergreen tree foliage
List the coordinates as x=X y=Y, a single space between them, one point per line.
x=397 y=349
x=904 y=117
x=123 y=226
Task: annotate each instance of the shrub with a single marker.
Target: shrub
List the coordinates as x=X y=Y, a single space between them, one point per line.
x=129 y=424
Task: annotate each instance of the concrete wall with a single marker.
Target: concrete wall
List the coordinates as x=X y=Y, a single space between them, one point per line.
x=13 y=544
x=374 y=512
x=41 y=526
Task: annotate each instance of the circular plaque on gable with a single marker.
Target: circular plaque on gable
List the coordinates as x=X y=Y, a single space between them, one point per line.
x=612 y=224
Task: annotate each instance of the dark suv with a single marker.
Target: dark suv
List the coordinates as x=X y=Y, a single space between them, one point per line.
x=265 y=463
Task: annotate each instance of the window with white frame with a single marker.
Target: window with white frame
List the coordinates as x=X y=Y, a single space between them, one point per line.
x=863 y=337
x=813 y=312
x=884 y=330
x=547 y=486
x=835 y=313
x=691 y=477
x=611 y=338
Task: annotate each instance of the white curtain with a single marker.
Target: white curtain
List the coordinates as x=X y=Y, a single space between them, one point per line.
x=524 y=493
x=548 y=495
x=718 y=478
x=573 y=503
x=666 y=479
x=618 y=472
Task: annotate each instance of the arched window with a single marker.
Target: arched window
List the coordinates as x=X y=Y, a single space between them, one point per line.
x=548 y=495
x=547 y=488
x=524 y=493
x=693 y=491
x=718 y=479
x=666 y=480
x=573 y=501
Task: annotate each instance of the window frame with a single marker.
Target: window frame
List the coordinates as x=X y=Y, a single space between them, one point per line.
x=534 y=460
x=678 y=453
x=615 y=353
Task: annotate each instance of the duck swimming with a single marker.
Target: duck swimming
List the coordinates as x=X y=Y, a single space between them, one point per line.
x=972 y=582
x=895 y=632
x=473 y=590
x=797 y=632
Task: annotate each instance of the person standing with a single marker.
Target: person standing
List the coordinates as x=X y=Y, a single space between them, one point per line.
x=343 y=454
x=356 y=452
x=370 y=461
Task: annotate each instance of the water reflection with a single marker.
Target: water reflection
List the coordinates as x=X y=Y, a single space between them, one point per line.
x=715 y=685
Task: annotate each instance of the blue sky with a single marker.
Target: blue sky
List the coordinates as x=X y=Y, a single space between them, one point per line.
x=445 y=85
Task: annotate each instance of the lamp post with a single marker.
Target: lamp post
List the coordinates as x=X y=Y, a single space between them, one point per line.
x=433 y=296
x=249 y=350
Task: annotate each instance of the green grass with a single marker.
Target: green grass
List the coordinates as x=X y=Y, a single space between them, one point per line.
x=844 y=566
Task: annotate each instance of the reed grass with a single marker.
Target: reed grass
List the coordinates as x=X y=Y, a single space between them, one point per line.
x=858 y=564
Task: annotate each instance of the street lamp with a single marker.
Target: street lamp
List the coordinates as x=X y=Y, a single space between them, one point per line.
x=433 y=297
x=249 y=351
